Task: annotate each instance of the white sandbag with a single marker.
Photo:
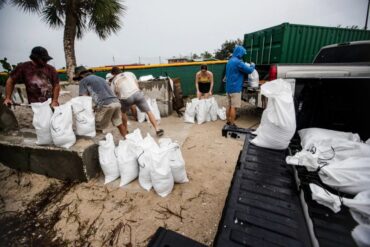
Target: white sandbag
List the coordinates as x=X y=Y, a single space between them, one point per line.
x=213 y=109
x=361 y=235
x=201 y=111
x=161 y=174
x=190 y=111
x=146 y=78
x=311 y=136
x=334 y=150
x=351 y=175
x=175 y=159
x=84 y=115
x=221 y=112
x=42 y=114
x=253 y=78
x=107 y=159
x=153 y=106
x=61 y=126
x=278 y=119
x=208 y=109
x=140 y=115
x=359 y=206
x=147 y=147
x=127 y=161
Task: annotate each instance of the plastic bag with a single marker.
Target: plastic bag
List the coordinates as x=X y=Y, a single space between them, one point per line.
x=140 y=115
x=359 y=206
x=107 y=159
x=176 y=161
x=190 y=111
x=61 y=126
x=253 y=78
x=147 y=146
x=278 y=122
x=221 y=112
x=127 y=161
x=361 y=235
x=154 y=109
x=84 y=115
x=312 y=136
x=42 y=114
x=201 y=111
x=351 y=175
x=213 y=107
x=161 y=174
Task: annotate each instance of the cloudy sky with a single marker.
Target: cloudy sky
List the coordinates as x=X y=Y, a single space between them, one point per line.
x=154 y=30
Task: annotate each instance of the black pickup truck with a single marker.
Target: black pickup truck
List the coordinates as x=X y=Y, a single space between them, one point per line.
x=269 y=202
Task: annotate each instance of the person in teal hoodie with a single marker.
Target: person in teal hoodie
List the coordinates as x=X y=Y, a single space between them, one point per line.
x=236 y=69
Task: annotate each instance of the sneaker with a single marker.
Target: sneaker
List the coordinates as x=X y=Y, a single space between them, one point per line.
x=160 y=132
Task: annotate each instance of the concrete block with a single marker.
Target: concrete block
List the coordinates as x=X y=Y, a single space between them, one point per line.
x=160 y=90
x=80 y=162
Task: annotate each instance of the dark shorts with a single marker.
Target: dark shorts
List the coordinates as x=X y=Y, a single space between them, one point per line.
x=137 y=99
x=204 y=87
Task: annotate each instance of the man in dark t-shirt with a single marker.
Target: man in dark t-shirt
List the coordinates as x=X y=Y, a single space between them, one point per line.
x=41 y=79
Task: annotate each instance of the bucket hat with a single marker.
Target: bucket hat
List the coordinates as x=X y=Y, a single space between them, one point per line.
x=79 y=71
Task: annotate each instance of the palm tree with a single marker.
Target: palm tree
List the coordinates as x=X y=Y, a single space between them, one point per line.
x=77 y=17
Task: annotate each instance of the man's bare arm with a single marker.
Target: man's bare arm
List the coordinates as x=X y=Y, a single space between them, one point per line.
x=9 y=88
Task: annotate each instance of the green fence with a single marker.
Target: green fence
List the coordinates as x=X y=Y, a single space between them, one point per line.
x=185 y=71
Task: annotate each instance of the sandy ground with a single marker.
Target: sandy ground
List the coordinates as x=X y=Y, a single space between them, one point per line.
x=40 y=211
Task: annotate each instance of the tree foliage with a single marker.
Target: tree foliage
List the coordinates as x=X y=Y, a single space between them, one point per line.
x=227 y=49
x=76 y=17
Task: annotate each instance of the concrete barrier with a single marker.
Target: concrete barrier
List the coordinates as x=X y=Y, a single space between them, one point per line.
x=80 y=162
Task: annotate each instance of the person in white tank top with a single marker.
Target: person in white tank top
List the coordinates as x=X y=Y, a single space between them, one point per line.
x=126 y=88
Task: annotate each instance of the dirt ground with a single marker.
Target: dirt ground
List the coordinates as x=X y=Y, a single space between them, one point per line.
x=39 y=211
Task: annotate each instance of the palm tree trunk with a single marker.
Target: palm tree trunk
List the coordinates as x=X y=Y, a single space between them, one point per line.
x=69 y=39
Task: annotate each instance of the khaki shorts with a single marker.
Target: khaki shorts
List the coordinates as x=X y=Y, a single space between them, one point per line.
x=108 y=113
x=235 y=99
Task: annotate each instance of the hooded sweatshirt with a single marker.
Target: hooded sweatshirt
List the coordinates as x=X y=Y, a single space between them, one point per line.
x=235 y=71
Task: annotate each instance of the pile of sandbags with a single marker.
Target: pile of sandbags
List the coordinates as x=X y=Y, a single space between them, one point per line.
x=342 y=162
x=156 y=166
x=203 y=110
x=56 y=127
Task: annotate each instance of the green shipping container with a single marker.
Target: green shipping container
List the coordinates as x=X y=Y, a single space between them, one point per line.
x=292 y=43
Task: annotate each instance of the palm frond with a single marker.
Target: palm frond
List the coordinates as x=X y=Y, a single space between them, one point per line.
x=53 y=13
x=2 y=3
x=28 y=5
x=105 y=17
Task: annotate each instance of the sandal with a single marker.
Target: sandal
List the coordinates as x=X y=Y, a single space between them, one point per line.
x=160 y=132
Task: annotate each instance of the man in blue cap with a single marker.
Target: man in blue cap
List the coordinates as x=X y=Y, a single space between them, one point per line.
x=235 y=72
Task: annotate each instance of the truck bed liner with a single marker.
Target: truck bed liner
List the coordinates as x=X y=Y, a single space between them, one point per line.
x=262 y=207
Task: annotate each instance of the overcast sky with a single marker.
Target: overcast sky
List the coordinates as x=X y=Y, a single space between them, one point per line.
x=166 y=28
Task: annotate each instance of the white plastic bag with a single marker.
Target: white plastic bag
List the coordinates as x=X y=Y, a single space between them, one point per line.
x=175 y=159
x=153 y=106
x=107 y=159
x=221 y=112
x=147 y=146
x=361 y=235
x=140 y=115
x=61 y=126
x=201 y=111
x=161 y=174
x=359 y=206
x=84 y=115
x=213 y=107
x=312 y=136
x=351 y=175
x=278 y=119
x=42 y=114
x=253 y=78
x=127 y=161
x=190 y=111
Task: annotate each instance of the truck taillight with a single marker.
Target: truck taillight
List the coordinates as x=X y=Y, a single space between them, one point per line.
x=273 y=72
